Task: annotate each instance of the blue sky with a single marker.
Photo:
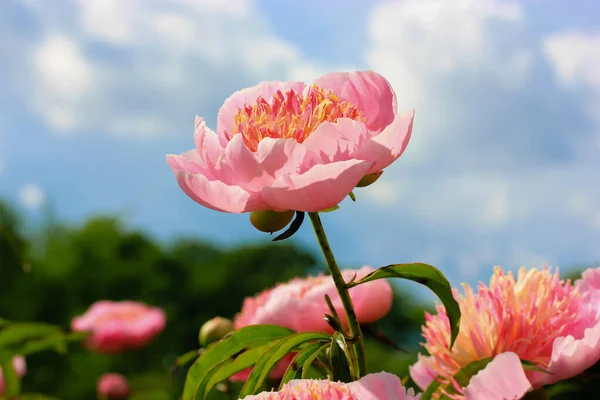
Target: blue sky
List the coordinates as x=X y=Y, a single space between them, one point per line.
x=502 y=168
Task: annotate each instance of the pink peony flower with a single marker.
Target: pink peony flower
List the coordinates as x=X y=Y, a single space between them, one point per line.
x=380 y=386
x=300 y=303
x=538 y=318
x=119 y=325
x=287 y=146
x=113 y=387
x=20 y=367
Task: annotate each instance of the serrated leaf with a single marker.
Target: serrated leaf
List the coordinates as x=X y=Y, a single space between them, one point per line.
x=426 y=275
x=273 y=355
x=295 y=368
x=241 y=340
x=339 y=354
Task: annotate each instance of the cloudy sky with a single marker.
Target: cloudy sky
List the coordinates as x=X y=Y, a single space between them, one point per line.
x=502 y=169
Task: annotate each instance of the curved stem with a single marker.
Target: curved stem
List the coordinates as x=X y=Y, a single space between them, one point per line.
x=358 y=345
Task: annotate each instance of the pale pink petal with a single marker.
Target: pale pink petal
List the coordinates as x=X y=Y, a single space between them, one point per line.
x=321 y=187
x=281 y=157
x=421 y=373
x=337 y=141
x=386 y=147
x=248 y=96
x=590 y=279
x=215 y=194
x=381 y=386
x=369 y=91
x=207 y=144
x=502 y=379
x=238 y=166
x=571 y=356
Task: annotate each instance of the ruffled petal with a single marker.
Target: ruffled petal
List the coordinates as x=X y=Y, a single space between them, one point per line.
x=590 y=279
x=386 y=147
x=379 y=386
x=369 y=91
x=571 y=356
x=321 y=187
x=215 y=194
x=502 y=379
x=207 y=144
x=337 y=141
x=248 y=96
x=421 y=373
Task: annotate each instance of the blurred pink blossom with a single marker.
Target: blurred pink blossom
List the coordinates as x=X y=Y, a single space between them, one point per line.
x=380 y=386
x=118 y=325
x=113 y=386
x=20 y=367
x=536 y=317
x=288 y=146
x=300 y=305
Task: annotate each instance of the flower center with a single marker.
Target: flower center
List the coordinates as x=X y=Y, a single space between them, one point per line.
x=291 y=115
x=523 y=315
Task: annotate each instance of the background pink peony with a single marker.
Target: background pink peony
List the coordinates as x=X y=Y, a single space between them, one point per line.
x=113 y=386
x=20 y=367
x=287 y=146
x=300 y=305
x=380 y=386
x=118 y=325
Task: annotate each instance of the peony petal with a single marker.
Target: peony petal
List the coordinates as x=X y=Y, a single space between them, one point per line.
x=238 y=166
x=281 y=157
x=502 y=379
x=248 y=96
x=386 y=147
x=207 y=143
x=216 y=194
x=421 y=373
x=321 y=187
x=590 y=279
x=379 y=386
x=337 y=141
x=369 y=91
x=571 y=356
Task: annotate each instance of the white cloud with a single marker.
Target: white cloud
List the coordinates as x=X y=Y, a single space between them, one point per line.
x=146 y=68
x=575 y=57
x=31 y=196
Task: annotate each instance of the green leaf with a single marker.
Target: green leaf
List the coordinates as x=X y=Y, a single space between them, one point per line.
x=530 y=366
x=431 y=390
x=12 y=383
x=311 y=359
x=339 y=354
x=352 y=196
x=273 y=355
x=425 y=275
x=186 y=358
x=241 y=362
x=309 y=352
x=294 y=226
x=17 y=333
x=241 y=340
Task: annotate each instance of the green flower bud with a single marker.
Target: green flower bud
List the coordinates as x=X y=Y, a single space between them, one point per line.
x=271 y=221
x=214 y=330
x=369 y=179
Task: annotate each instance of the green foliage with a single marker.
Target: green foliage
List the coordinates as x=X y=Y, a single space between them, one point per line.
x=57 y=273
x=426 y=275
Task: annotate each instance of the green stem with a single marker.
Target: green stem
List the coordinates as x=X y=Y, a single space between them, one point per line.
x=358 y=345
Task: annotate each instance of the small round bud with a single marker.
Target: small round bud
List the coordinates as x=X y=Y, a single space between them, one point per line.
x=113 y=387
x=214 y=330
x=369 y=179
x=271 y=221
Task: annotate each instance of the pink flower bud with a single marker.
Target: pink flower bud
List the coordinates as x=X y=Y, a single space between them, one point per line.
x=113 y=387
